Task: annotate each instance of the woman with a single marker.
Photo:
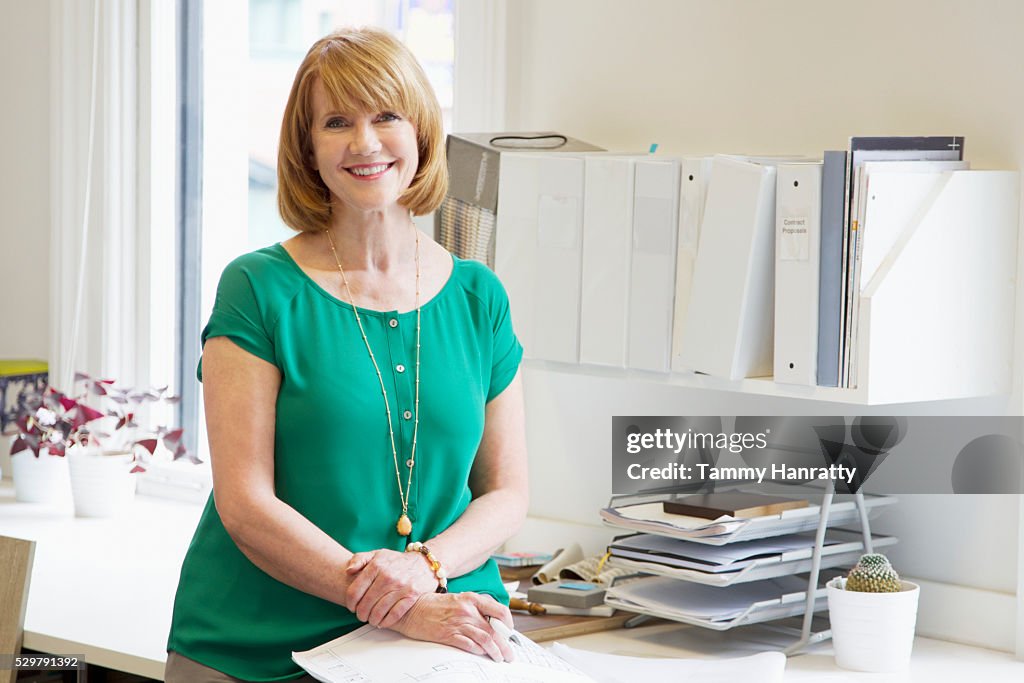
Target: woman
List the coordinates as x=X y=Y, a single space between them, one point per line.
x=362 y=397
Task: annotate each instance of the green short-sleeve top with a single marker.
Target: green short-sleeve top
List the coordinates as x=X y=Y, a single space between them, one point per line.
x=332 y=453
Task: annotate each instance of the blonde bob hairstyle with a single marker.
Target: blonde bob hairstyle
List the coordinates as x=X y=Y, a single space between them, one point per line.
x=368 y=70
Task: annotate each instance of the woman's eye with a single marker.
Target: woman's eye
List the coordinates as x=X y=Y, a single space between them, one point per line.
x=389 y=116
x=335 y=123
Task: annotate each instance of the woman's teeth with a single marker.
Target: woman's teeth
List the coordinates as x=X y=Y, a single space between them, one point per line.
x=369 y=170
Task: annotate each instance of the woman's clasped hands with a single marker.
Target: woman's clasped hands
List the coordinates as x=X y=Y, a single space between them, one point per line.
x=395 y=590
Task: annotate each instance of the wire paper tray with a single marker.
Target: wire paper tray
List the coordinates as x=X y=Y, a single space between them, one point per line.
x=784 y=564
x=787 y=605
x=732 y=530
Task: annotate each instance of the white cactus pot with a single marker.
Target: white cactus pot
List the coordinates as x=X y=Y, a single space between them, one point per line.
x=40 y=480
x=872 y=631
x=101 y=485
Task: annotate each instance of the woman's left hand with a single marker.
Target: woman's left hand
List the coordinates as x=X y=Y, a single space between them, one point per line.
x=385 y=584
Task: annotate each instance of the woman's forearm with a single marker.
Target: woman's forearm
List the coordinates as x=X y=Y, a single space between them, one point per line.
x=290 y=548
x=488 y=521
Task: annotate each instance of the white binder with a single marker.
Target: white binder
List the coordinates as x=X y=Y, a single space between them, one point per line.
x=694 y=173
x=537 y=250
x=515 y=243
x=653 y=271
x=728 y=329
x=797 y=257
x=556 y=294
x=607 y=256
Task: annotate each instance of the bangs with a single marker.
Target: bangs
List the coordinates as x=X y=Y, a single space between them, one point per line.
x=355 y=78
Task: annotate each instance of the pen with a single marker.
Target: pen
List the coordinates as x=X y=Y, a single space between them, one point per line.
x=502 y=630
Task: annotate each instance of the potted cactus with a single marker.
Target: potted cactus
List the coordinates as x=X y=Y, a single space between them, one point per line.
x=873 y=614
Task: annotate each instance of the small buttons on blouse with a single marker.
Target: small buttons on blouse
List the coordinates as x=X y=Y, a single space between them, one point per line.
x=407 y=415
x=393 y=322
x=400 y=368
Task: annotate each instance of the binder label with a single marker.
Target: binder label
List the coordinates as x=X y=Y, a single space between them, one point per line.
x=794 y=240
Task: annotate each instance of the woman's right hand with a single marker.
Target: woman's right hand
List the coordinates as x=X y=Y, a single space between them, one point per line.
x=459 y=620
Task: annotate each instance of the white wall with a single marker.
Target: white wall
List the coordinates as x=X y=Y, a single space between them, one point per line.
x=741 y=76
x=25 y=180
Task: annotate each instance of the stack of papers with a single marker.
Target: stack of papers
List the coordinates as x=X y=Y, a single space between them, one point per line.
x=739 y=562
x=674 y=552
x=683 y=601
x=651 y=518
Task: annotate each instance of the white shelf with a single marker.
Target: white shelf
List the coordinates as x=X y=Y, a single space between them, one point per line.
x=758 y=386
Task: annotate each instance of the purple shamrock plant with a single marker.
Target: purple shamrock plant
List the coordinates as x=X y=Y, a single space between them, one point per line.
x=55 y=421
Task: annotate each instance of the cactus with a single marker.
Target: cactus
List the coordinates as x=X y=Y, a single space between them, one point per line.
x=873 y=574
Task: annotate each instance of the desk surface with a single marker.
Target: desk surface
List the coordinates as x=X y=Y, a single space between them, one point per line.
x=104 y=588
x=934 y=661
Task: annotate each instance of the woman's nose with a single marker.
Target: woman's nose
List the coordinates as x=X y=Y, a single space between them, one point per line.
x=364 y=139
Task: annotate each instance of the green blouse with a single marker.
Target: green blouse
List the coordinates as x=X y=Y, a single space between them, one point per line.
x=332 y=454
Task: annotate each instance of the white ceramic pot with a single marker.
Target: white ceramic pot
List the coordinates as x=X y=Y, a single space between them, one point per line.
x=102 y=485
x=872 y=631
x=40 y=480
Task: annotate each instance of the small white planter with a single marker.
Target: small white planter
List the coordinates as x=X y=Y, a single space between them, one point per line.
x=102 y=485
x=40 y=480
x=872 y=631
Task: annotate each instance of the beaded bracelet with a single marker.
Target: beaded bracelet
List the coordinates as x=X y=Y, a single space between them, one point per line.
x=435 y=566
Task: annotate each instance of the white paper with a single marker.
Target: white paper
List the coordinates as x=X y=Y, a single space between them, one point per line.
x=764 y=667
x=571 y=554
x=372 y=655
x=696 y=601
x=655 y=512
x=678 y=553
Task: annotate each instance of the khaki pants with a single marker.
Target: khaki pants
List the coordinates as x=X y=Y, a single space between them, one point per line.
x=181 y=669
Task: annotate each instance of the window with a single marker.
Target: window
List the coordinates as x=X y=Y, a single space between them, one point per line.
x=280 y=32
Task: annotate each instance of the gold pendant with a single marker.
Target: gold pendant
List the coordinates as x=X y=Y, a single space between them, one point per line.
x=404 y=526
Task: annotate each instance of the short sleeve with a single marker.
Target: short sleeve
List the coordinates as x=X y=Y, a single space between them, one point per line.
x=239 y=314
x=507 y=351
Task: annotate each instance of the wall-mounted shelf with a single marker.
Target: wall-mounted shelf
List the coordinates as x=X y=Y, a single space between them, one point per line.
x=757 y=386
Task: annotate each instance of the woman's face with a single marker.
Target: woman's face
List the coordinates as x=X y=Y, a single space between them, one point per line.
x=366 y=159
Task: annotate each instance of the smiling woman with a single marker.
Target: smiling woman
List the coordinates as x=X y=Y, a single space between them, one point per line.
x=381 y=456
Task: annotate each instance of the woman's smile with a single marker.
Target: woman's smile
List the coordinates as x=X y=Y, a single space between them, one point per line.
x=370 y=171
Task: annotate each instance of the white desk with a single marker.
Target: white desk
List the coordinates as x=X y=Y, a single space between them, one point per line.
x=933 y=661
x=104 y=589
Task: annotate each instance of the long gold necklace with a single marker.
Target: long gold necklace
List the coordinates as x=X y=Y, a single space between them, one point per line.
x=404 y=525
